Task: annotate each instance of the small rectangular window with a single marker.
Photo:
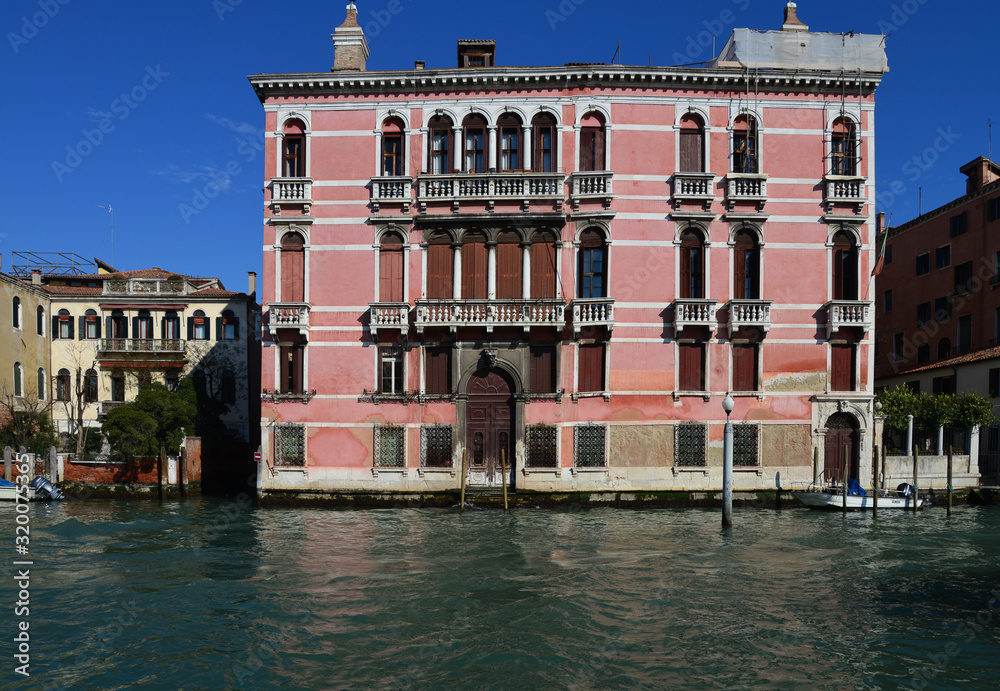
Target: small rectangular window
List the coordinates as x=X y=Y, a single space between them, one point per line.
x=435 y=446
x=958 y=224
x=943 y=385
x=229 y=328
x=390 y=446
x=200 y=329
x=391 y=371
x=689 y=444
x=289 y=444
x=923 y=264
x=65 y=328
x=942 y=257
x=588 y=445
x=91 y=324
x=963 y=277
x=746 y=445
x=887 y=301
x=888 y=254
x=923 y=313
x=541 y=445
x=995 y=383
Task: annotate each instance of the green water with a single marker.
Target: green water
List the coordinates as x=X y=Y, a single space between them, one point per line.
x=204 y=594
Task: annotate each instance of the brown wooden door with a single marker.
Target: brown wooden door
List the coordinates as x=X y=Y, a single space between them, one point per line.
x=489 y=427
x=840 y=434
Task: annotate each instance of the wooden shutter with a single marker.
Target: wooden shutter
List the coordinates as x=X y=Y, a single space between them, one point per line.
x=437 y=366
x=543 y=268
x=390 y=263
x=599 y=163
x=296 y=365
x=691 y=366
x=509 y=267
x=439 y=268
x=82 y=333
x=745 y=367
x=591 y=367
x=745 y=271
x=474 y=277
x=293 y=272
x=543 y=370
x=692 y=145
x=842 y=367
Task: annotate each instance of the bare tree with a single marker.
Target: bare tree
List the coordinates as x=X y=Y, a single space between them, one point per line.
x=77 y=403
x=22 y=415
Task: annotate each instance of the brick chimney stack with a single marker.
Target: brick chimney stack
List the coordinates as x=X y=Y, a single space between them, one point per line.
x=349 y=44
x=792 y=22
x=36 y=277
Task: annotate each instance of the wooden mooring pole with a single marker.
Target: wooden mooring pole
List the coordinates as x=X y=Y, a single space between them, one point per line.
x=161 y=472
x=951 y=453
x=843 y=478
x=916 y=478
x=874 y=480
x=816 y=466
x=182 y=471
x=503 y=471
x=461 y=507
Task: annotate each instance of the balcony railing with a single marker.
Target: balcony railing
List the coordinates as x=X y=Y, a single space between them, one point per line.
x=593 y=312
x=288 y=191
x=391 y=190
x=489 y=188
x=141 y=345
x=694 y=187
x=749 y=314
x=694 y=312
x=490 y=313
x=848 y=314
x=389 y=315
x=846 y=189
x=289 y=315
x=595 y=185
x=746 y=187
x=144 y=286
x=106 y=407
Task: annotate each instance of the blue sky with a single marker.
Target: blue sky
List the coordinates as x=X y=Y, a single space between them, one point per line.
x=167 y=81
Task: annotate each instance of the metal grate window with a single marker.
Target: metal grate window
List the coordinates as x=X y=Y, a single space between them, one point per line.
x=589 y=446
x=542 y=449
x=746 y=445
x=689 y=444
x=435 y=446
x=390 y=446
x=289 y=444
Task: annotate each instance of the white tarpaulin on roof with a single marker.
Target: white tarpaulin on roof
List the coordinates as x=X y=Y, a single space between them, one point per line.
x=803 y=50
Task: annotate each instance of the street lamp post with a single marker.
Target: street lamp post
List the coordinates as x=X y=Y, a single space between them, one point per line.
x=727 y=465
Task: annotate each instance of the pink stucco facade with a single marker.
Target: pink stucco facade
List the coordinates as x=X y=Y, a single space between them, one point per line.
x=605 y=369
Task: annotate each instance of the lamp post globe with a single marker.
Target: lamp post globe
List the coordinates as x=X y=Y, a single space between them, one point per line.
x=728 y=404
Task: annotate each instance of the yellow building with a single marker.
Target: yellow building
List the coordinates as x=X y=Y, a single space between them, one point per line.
x=24 y=344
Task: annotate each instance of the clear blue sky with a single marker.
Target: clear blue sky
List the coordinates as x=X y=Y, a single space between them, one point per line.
x=68 y=63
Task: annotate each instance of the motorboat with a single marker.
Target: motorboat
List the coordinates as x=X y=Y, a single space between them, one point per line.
x=831 y=496
x=37 y=489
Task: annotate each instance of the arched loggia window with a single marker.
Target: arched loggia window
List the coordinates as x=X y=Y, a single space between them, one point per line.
x=692 y=144
x=745 y=145
x=294 y=149
x=474 y=132
x=543 y=128
x=845 y=267
x=692 y=274
x=511 y=152
x=439 y=151
x=746 y=267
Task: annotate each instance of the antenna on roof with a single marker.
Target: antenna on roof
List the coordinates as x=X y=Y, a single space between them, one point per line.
x=112 y=212
x=989 y=125
x=616 y=52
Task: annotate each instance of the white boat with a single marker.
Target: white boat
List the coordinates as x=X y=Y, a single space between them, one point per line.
x=8 y=491
x=832 y=497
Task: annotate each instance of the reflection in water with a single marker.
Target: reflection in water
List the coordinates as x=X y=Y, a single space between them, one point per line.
x=135 y=593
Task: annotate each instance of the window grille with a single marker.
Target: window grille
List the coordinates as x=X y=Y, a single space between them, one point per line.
x=289 y=444
x=589 y=446
x=689 y=444
x=746 y=445
x=390 y=446
x=542 y=448
x=436 y=446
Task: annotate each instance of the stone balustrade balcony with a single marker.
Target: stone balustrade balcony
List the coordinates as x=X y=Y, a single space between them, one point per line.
x=140 y=345
x=387 y=316
x=288 y=315
x=749 y=314
x=145 y=286
x=847 y=190
x=288 y=192
x=842 y=314
x=694 y=187
x=593 y=312
x=390 y=191
x=694 y=312
x=489 y=188
x=591 y=185
x=746 y=187
x=455 y=314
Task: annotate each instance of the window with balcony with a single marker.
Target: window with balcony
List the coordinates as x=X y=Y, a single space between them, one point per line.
x=591 y=368
x=942 y=257
x=843 y=364
x=91 y=327
x=440 y=264
x=437 y=371
x=117 y=325
x=90 y=386
x=692 y=256
x=142 y=326
x=391 y=379
x=229 y=326
x=293 y=267
x=64 y=385
x=291 y=372
x=944 y=349
x=745 y=145
x=543 y=129
x=510 y=130
x=692 y=144
x=393 y=161
x=294 y=150
x=845 y=267
x=593 y=142
x=543 y=369
x=746 y=282
x=844 y=147
x=199 y=328
x=592 y=273
x=474 y=266
x=390 y=267
x=18 y=380
x=474 y=135
x=745 y=358
x=958 y=224
x=16 y=312
x=171 y=326
x=440 y=135
x=691 y=366
x=62 y=328
x=40 y=321
x=543 y=265
x=510 y=266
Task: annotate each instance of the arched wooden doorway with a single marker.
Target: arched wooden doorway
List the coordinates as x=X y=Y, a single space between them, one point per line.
x=841 y=433
x=489 y=426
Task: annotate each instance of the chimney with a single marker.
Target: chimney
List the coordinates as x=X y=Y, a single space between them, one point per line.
x=880 y=223
x=252 y=283
x=36 y=277
x=349 y=44
x=792 y=22
x=980 y=172
x=418 y=64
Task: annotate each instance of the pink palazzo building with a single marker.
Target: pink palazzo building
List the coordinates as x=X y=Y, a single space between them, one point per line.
x=557 y=273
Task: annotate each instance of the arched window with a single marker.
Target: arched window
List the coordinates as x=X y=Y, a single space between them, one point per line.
x=509 y=126
x=692 y=144
x=90 y=386
x=692 y=274
x=390 y=268
x=18 y=380
x=543 y=128
x=440 y=134
x=40 y=321
x=198 y=327
x=91 y=327
x=593 y=265
x=16 y=312
x=474 y=132
x=293 y=268
x=440 y=265
x=474 y=269
x=746 y=281
x=844 y=148
x=393 y=155
x=543 y=265
x=592 y=142
x=944 y=349
x=745 y=145
x=294 y=149
x=845 y=267
x=63 y=385
x=62 y=327
x=510 y=264
x=42 y=384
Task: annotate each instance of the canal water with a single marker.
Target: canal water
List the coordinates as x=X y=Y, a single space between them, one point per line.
x=204 y=594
